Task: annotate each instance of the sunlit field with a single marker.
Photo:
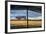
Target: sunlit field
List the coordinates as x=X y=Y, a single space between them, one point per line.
x=15 y=24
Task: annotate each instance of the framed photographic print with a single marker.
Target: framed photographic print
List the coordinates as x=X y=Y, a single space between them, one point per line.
x=24 y=16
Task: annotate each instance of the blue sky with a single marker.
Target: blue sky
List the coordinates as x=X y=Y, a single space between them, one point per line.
x=31 y=14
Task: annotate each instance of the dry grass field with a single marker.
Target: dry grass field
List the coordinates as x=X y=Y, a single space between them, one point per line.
x=34 y=24
x=23 y=24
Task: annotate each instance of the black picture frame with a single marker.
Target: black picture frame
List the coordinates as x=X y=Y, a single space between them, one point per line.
x=6 y=31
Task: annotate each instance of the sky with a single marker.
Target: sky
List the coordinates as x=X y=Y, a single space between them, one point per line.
x=31 y=14
x=33 y=11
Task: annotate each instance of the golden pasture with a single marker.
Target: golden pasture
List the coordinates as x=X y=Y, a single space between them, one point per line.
x=23 y=23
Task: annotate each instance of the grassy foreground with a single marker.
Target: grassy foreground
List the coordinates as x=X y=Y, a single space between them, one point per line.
x=23 y=24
